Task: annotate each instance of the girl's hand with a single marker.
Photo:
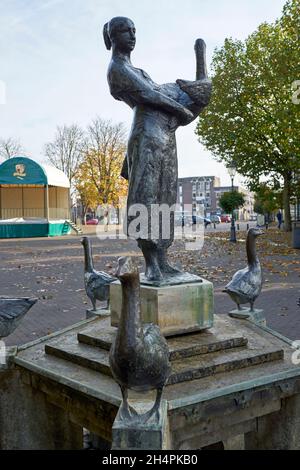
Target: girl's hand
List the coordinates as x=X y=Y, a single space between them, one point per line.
x=185 y=116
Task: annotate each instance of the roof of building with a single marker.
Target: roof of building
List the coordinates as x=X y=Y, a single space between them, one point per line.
x=191 y=178
x=23 y=170
x=226 y=188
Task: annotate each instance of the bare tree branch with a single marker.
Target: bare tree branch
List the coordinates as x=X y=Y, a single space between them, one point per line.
x=10 y=148
x=65 y=152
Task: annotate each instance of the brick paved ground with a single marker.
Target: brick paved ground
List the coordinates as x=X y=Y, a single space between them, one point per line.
x=52 y=270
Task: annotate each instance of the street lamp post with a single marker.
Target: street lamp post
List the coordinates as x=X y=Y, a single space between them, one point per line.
x=232 y=171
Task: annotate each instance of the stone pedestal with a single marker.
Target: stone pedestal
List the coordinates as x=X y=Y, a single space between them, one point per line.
x=152 y=435
x=256 y=316
x=176 y=309
x=232 y=386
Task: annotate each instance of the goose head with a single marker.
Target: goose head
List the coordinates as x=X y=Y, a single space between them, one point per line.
x=84 y=241
x=127 y=268
x=255 y=232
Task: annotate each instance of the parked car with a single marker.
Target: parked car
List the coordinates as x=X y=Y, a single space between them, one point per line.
x=215 y=219
x=225 y=218
x=199 y=219
x=183 y=218
x=92 y=222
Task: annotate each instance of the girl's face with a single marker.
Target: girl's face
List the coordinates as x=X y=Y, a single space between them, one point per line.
x=124 y=36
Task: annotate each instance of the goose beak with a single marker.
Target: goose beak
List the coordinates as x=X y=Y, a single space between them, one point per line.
x=126 y=265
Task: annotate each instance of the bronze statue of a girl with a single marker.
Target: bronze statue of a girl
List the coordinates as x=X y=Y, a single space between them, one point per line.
x=151 y=161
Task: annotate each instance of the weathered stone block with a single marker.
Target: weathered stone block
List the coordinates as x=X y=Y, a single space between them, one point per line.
x=152 y=435
x=176 y=309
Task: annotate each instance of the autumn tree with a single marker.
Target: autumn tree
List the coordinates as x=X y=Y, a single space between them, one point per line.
x=98 y=177
x=267 y=200
x=85 y=189
x=10 y=148
x=231 y=201
x=65 y=151
x=252 y=119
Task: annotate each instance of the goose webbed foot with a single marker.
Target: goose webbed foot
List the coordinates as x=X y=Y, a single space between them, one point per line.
x=126 y=411
x=155 y=409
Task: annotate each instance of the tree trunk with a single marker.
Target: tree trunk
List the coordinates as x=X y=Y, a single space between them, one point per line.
x=286 y=201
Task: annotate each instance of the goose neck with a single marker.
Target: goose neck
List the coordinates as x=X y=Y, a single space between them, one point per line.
x=251 y=251
x=88 y=257
x=130 y=321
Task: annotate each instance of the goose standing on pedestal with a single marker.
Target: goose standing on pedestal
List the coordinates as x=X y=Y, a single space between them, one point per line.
x=139 y=355
x=11 y=313
x=246 y=284
x=96 y=282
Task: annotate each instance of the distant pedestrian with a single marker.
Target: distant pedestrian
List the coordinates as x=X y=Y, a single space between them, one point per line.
x=279 y=218
x=105 y=217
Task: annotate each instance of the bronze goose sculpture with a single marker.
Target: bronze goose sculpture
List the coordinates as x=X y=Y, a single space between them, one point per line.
x=200 y=90
x=246 y=284
x=139 y=355
x=12 y=312
x=96 y=282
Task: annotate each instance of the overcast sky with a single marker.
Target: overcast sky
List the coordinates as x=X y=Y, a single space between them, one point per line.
x=54 y=62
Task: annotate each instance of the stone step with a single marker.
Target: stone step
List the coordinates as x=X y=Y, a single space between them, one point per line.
x=82 y=355
x=75 y=227
x=218 y=362
x=180 y=347
x=184 y=369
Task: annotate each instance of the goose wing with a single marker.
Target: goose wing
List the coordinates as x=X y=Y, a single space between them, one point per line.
x=98 y=279
x=11 y=309
x=245 y=282
x=155 y=340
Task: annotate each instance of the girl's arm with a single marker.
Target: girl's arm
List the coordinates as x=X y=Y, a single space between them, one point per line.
x=127 y=83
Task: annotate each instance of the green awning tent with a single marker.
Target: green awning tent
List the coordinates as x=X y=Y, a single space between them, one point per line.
x=34 y=199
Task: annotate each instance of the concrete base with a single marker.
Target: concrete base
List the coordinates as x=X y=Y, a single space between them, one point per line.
x=256 y=316
x=99 y=312
x=152 y=435
x=176 y=309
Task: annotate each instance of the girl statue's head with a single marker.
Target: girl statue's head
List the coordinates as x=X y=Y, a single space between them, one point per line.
x=119 y=34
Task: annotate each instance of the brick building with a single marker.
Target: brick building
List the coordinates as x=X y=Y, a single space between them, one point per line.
x=199 y=193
